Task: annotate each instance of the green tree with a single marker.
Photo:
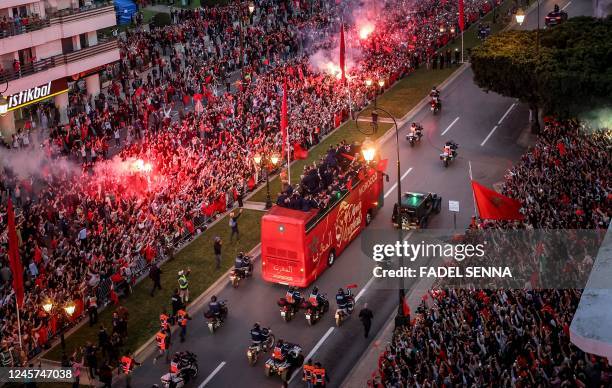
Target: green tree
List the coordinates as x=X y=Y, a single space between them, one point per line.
x=570 y=74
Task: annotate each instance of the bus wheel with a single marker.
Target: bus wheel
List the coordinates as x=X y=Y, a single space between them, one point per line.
x=368 y=217
x=331 y=258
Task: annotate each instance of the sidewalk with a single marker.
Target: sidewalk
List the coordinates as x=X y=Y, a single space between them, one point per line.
x=368 y=363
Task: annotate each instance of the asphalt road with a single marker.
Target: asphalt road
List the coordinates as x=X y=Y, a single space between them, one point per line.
x=487 y=128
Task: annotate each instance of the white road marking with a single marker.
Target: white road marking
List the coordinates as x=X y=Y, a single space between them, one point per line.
x=395 y=184
x=210 y=376
x=450 y=126
x=313 y=351
x=566 y=5
x=488 y=136
x=506 y=114
x=363 y=290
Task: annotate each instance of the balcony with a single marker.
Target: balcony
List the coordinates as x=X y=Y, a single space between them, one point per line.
x=63 y=65
x=57 y=25
x=74 y=14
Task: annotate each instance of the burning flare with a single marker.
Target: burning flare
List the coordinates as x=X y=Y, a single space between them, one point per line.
x=365 y=31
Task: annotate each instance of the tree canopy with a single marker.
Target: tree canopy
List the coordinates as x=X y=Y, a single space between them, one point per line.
x=571 y=74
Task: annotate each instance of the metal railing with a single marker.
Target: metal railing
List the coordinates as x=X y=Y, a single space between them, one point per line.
x=61 y=59
x=73 y=14
x=14 y=29
x=56 y=17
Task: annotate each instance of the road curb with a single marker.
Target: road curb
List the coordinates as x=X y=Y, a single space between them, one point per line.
x=198 y=302
x=368 y=361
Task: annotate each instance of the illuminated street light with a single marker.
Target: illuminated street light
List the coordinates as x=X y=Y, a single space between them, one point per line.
x=257 y=158
x=368 y=149
x=251 y=7
x=381 y=83
x=442 y=29
x=452 y=29
x=274 y=159
x=520 y=16
x=69 y=309
x=48 y=306
x=368 y=82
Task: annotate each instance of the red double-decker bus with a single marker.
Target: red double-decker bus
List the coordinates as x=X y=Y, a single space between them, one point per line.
x=297 y=246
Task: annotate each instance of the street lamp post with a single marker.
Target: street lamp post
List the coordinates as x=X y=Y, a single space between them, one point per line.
x=261 y=160
x=368 y=151
x=68 y=309
x=381 y=84
x=520 y=18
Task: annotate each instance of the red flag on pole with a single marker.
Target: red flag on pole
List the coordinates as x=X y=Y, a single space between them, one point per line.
x=14 y=260
x=494 y=206
x=283 y=123
x=342 y=52
x=299 y=152
x=461 y=16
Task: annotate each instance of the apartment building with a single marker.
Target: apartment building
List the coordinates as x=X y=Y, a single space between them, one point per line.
x=48 y=45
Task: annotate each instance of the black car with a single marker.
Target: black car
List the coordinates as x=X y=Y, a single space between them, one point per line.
x=554 y=18
x=416 y=209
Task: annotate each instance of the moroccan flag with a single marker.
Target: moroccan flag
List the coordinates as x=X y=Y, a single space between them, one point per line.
x=382 y=165
x=494 y=206
x=283 y=122
x=299 y=152
x=405 y=305
x=461 y=16
x=251 y=183
x=342 y=52
x=13 y=253
x=349 y=157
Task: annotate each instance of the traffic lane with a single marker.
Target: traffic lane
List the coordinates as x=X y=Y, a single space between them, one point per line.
x=572 y=7
x=472 y=113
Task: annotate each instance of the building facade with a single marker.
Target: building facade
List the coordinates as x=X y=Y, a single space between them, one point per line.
x=48 y=45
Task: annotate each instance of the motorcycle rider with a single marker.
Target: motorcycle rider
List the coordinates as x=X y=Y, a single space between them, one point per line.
x=450 y=148
x=416 y=130
x=293 y=297
x=282 y=348
x=316 y=299
x=214 y=308
x=556 y=9
x=435 y=96
x=342 y=299
x=242 y=263
x=259 y=335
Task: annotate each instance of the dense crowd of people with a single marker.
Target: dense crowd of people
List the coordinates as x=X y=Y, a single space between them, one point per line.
x=322 y=184
x=516 y=337
x=126 y=177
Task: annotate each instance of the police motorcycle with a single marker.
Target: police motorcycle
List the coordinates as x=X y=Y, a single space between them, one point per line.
x=435 y=103
x=215 y=321
x=260 y=347
x=183 y=368
x=316 y=305
x=449 y=153
x=243 y=268
x=416 y=135
x=286 y=357
x=290 y=304
x=343 y=311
